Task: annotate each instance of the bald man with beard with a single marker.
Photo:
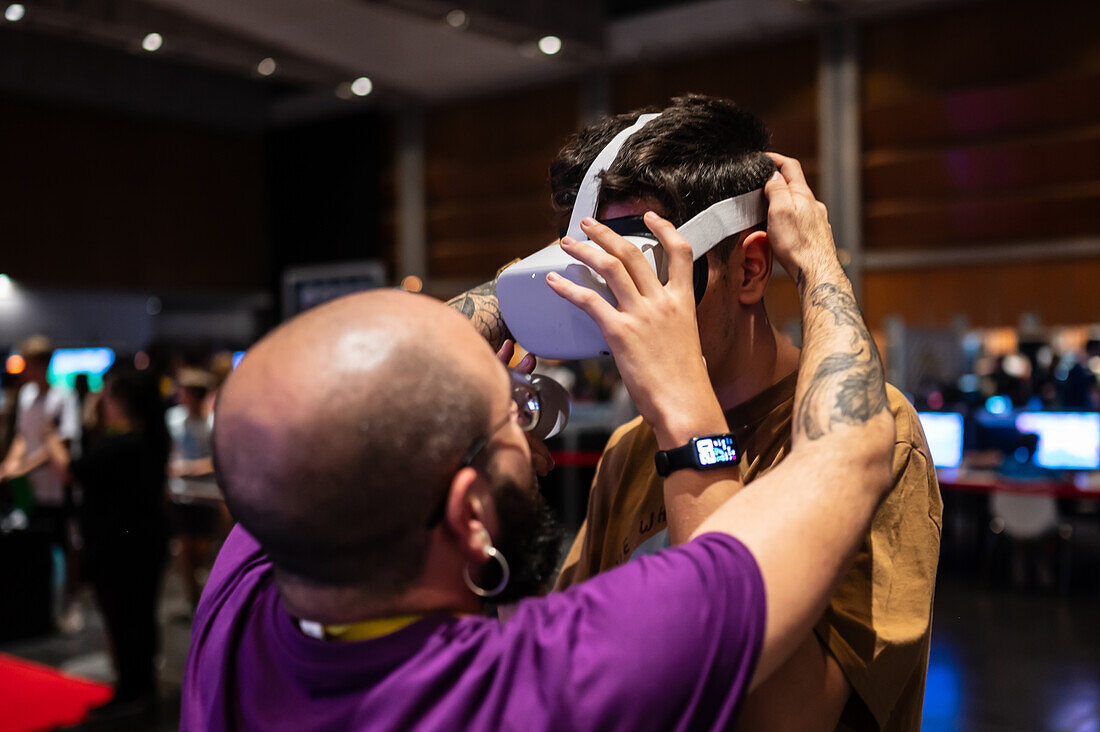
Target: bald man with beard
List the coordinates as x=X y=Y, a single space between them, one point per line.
x=370 y=451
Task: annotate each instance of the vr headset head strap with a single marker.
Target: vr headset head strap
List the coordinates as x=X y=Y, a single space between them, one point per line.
x=588 y=194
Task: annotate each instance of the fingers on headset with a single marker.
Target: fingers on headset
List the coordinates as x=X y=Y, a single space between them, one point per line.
x=680 y=270
x=792 y=173
x=606 y=265
x=526 y=364
x=507 y=350
x=645 y=280
x=588 y=300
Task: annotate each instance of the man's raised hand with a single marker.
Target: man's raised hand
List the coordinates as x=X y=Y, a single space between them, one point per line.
x=652 y=332
x=798 y=224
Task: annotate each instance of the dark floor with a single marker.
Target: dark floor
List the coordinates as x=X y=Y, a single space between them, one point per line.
x=1003 y=659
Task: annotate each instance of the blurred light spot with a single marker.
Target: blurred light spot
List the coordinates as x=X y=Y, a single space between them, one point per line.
x=238 y=356
x=267 y=67
x=942 y=688
x=153 y=306
x=412 y=283
x=141 y=360
x=344 y=91
x=152 y=42
x=362 y=86
x=6 y=287
x=1044 y=356
x=14 y=13
x=998 y=404
x=458 y=19
x=1021 y=455
x=935 y=400
x=1016 y=366
x=1094 y=364
x=15 y=364
x=549 y=45
x=969 y=383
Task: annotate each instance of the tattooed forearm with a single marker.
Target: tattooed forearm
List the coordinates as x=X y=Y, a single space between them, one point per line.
x=847 y=387
x=481 y=307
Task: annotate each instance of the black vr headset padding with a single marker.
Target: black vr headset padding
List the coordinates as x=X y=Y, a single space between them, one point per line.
x=635 y=226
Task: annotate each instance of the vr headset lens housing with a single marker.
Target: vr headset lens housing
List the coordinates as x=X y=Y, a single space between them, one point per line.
x=551 y=327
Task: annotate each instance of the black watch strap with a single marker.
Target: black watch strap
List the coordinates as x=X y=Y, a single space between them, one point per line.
x=709 y=452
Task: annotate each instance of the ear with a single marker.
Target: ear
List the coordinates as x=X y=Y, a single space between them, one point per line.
x=469 y=515
x=756 y=267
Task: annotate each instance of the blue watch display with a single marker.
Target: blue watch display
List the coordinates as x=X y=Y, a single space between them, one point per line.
x=702 y=453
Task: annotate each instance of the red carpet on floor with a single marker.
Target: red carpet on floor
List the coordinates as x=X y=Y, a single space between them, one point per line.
x=36 y=697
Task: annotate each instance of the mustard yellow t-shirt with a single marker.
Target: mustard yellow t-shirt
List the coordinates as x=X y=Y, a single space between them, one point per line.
x=878 y=623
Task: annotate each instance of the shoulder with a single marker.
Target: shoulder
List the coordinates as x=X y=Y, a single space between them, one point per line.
x=629 y=439
x=240 y=570
x=906 y=421
x=621 y=635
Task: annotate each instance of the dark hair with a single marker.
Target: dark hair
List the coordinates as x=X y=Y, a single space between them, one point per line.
x=139 y=396
x=699 y=151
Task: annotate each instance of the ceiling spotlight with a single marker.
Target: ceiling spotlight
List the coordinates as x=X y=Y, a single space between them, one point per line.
x=412 y=283
x=152 y=42
x=458 y=19
x=361 y=87
x=6 y=287
x=14 y=13
x=267 y=67
x=549 y=45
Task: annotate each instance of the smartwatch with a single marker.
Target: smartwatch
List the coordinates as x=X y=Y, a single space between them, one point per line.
x=702 y=453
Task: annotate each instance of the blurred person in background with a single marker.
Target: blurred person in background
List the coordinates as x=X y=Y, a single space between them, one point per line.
x=190 y=425
x=124 y=526
x=40 y=405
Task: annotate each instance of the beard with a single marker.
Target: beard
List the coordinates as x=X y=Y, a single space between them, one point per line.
x=529 y=538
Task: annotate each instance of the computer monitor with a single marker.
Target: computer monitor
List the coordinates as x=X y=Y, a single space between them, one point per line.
x=1067 y=440
x=944 y=431
x=68 y=362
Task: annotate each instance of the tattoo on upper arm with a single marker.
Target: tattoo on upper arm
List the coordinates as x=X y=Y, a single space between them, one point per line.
x=855 y=378
x=481 y=307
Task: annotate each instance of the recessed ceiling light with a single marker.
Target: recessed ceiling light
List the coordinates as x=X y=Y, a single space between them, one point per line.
x=152 y=42
x=458 y=19
x=14 y=13
x=549 y=45
x=267 y=67
x=362 y=86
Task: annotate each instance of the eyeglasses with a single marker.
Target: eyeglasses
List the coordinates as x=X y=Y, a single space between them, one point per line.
x=524 y=410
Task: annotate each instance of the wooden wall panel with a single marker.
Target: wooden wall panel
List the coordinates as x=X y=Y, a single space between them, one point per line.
x=93 y=199
x=780 y=88
x=487 y=185
x=1060 y=292
x=981 y=124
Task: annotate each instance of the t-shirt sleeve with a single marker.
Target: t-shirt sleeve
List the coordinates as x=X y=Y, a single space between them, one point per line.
x=878 y=623
x=666 y=642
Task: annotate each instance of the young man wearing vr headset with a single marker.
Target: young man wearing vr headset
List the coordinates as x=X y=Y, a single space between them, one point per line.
x=864 y=666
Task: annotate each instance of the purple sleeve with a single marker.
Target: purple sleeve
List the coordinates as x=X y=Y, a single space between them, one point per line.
x=668 y=641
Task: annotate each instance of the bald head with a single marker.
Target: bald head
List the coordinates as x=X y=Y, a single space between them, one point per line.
x=341 y=430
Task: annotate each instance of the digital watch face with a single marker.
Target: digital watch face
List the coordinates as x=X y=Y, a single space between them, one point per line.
x=715 y=451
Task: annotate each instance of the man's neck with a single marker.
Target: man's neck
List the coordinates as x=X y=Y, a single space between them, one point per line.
x=760 y=358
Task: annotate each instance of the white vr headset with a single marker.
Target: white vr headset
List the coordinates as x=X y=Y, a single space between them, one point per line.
x=551 y=327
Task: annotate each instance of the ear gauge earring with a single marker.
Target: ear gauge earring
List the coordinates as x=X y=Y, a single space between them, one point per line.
x=505 y=575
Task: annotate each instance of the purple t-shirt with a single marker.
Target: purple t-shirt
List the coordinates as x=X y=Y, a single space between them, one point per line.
x=666 y=642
